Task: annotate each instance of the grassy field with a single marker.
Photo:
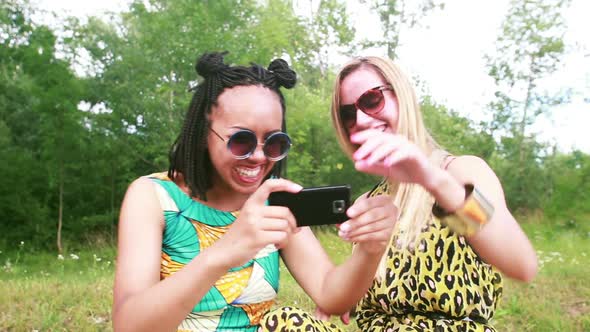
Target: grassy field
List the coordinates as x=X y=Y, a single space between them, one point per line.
x=43 y=292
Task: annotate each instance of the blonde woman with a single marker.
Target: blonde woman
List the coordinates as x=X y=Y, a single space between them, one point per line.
x=455 y=237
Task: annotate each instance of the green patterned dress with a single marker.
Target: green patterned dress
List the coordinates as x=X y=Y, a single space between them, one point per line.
x=238 y=299
x=242 y=298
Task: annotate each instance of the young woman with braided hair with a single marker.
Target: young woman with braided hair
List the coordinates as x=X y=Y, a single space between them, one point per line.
x=455 y=237
x=199 y=247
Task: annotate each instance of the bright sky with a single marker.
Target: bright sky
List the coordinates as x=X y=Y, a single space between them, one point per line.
x=447 y=54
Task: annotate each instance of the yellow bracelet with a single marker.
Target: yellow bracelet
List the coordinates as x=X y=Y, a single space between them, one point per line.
x=469 y=218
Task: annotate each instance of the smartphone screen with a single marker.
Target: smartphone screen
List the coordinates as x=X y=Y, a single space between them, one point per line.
x=316 y=205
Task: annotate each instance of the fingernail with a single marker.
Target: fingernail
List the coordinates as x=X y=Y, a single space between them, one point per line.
x=345 y=227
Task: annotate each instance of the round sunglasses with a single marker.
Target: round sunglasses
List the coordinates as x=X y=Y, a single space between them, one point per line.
x=244 y=142
x=370 y=102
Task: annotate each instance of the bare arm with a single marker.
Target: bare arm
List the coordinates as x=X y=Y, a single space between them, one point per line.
x=336 y=289
x=501 y=242
x=141 y=301
x=144 y=303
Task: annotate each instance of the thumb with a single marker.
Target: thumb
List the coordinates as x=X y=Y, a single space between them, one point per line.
x=271 y=185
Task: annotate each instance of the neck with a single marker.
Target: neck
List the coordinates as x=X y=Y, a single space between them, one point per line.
x=225 y=199
x=218 y=197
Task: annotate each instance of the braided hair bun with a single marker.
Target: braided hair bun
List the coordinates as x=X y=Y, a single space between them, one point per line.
x=210 y=64
x=285 y=76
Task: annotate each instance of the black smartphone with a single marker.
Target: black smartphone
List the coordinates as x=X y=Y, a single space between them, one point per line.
x=315 y=205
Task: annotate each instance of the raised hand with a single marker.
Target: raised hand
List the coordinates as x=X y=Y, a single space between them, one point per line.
x=392 y=156
x=259 y=225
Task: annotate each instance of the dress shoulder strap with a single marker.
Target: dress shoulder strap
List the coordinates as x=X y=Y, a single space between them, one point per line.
x=447 y=161
x=165 y=190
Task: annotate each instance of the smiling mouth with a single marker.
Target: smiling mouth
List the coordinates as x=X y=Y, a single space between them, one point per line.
x=249 y=172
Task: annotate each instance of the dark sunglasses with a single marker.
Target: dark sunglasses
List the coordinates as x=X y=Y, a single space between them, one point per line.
x=370 y=102
x=244 y=142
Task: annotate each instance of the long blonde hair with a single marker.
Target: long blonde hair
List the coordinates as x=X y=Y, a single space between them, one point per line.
x=413 y=201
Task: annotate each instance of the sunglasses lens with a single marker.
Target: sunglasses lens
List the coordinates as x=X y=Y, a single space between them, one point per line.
x=277 y=146
x=242 y=144
x=348 y=116
x=371 y=101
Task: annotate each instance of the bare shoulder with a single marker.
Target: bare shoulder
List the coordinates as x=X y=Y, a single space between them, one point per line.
x=141 y=200
x=475 y=170
x=469 y=168
x=141 y=185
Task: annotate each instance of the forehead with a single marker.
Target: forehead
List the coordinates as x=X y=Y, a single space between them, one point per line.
x=357 y=82
x=242 y=106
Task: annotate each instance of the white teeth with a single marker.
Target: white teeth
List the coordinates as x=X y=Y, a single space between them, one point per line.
x=249 y=172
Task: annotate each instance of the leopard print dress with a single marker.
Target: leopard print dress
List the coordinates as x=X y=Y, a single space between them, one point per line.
x=443 y=285
x=290 y=319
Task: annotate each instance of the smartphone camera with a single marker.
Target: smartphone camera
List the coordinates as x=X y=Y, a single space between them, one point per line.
x=338 y=206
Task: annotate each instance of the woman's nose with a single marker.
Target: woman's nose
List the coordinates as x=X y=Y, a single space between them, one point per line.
x=363 y=120
x=258 y=153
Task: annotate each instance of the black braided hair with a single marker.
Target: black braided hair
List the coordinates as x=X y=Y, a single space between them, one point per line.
x=188 y=155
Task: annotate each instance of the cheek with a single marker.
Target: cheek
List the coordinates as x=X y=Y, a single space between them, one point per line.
x=391 y=115
x=218 y=153
x=392 y=119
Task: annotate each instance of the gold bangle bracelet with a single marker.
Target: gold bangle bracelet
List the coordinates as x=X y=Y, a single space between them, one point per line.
x=469 y=218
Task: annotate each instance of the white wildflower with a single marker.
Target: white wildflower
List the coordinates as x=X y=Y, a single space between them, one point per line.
x=74 y=256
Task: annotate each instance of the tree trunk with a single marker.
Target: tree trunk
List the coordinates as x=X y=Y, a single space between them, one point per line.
x=61 y=194
x=113 y=221
x=530 y=87
x=60 y=174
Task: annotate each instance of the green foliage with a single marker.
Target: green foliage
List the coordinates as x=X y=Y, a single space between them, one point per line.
x=133 y=99
x=455 y=133
x=41 y=124
x=570 y=191
x=524 y=185
x=396 y=16
x=529 y=48
x=75 y=143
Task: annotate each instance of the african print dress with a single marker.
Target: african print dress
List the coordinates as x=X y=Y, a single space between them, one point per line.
x=442 y=285
x=239 y=298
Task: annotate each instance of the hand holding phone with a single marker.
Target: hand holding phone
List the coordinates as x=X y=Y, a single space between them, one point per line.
x=315 y=205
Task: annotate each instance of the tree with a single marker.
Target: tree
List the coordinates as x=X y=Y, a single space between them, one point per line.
x=39 y=113
x=455 y=133
x=529 y=49
x=395 y=17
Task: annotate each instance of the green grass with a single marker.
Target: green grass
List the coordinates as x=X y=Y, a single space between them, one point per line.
x=559 y=297
x=41 y=292
x=45 y=293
